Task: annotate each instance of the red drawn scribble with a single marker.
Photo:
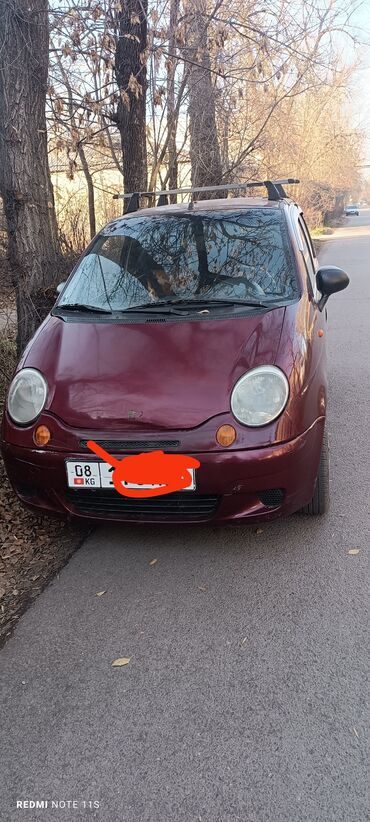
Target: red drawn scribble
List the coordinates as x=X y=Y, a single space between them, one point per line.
x=171 y=471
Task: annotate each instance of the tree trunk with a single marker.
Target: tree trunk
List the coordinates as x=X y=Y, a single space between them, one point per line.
x=171 y=113
x=34 y=256
x=132 y=83
x=205 y=157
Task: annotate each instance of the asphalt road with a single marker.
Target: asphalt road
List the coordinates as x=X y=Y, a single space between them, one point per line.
x=247 y=695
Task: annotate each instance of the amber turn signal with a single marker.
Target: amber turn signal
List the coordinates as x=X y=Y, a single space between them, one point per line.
x=226 y=435
x=42 y=435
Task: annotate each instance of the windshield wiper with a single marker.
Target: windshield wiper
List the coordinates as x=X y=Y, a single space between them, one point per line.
x=184 y=305
x=256 y=303
x=227 y=301
x=189 y=303
x=93 y=309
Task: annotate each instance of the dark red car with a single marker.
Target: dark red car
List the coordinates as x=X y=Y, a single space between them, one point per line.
x=197 y=329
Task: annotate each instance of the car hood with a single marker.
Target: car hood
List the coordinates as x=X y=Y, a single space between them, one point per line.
x=149 y=375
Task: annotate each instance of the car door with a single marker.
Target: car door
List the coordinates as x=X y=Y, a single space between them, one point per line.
x=317 y=325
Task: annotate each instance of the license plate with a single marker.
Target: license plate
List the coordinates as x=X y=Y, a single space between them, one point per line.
x=99 y=475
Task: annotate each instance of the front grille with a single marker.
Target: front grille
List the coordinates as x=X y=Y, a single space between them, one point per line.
x=177 y=505
x=272 y=498
x=134 y=445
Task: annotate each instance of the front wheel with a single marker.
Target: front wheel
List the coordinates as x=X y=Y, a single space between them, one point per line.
x=319 y=503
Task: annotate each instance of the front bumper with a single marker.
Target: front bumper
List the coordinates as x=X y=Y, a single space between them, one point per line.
x=231 y=487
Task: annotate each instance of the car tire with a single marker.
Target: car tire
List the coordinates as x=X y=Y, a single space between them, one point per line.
x=319 y=503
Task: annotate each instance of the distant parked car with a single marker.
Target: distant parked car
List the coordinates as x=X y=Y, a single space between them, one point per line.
x=190 y=329
x=352 y=209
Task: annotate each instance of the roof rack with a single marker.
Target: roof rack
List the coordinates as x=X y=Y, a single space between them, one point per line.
x=275 y=191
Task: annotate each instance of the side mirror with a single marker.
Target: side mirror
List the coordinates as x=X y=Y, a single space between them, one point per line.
x=60 y=287
x=329 y=280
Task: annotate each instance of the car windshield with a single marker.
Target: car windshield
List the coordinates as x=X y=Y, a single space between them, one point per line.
x=153 y=259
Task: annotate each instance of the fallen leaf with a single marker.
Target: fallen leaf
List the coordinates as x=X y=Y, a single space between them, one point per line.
x=121 y=661
x=202 y=588
x=100 y=593
x=354 y=551
x=259 y=531
x=153 y=561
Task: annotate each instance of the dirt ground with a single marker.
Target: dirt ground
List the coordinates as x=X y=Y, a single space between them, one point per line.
x=32 y=549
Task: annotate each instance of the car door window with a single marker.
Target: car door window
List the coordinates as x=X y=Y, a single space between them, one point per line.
x=308 y=258
x=308 y=236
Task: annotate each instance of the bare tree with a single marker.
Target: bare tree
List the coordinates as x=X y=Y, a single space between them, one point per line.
x=219 y=84
x=74 y=132
x=25 y=179
x=82 y=94
x=205 y=155
x=268 y=58
x=171 y=102
x=130 y=65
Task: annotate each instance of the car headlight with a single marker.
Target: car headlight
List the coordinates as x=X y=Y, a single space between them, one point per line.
x=27 y=396
x=260 y=395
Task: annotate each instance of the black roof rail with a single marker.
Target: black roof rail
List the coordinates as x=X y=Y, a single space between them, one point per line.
x=275 y=191
x=134 y=202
